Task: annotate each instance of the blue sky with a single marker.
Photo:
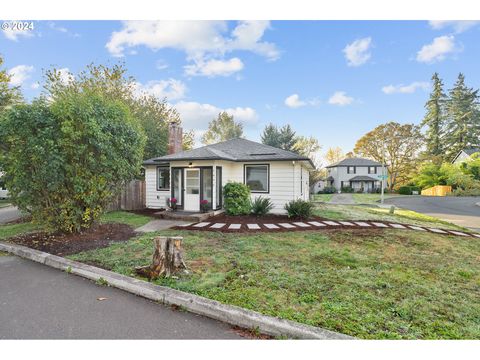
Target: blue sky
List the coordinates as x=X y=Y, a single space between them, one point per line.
x=334 y=80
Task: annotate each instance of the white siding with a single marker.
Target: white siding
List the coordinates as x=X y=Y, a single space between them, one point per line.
x=288 y=181
x=154 y=199
x=339 y=173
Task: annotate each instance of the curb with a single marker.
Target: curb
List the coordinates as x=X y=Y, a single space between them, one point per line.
x=230 y=314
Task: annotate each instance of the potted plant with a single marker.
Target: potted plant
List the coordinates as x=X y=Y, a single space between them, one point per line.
x=172 y=204
x=204 y=205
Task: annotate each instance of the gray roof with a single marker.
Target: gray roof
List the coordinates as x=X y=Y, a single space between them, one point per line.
x=471 y=151
x=363 y=178
x=232 y=150
x=355 y=162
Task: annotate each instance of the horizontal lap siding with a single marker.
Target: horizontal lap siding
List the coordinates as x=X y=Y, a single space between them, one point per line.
x=154 y=199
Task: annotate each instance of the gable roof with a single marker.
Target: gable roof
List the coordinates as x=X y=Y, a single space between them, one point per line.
x=355 y=162
x=469 y=152
x=232 y=150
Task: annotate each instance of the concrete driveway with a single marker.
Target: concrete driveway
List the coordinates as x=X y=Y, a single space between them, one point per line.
x=342 y=199
x=38 y=302
x=461 y=211
x=9 y=213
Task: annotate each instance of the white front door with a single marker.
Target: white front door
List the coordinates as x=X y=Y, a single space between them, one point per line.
x=192 y=190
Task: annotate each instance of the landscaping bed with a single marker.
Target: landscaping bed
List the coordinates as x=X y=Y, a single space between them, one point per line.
x=99 y=236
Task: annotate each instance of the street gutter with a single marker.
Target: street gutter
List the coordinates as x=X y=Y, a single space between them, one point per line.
x=230 y=314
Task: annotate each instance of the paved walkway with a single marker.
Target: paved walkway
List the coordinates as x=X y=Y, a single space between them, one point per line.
x=38 y=302
x=315 y=225
x=9 y=213
x=160 y=224
x=342 y=199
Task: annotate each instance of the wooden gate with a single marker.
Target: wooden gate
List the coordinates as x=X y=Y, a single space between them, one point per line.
x=132 y=197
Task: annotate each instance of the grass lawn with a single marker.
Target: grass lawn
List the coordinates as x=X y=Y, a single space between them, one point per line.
x=10 y=230
x=4 y=203
x=371 y=198
x=123 y=217
x=358 y=212
x=322 y=197
x=370 y=284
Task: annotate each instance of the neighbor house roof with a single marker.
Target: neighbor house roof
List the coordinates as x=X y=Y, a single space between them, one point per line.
x=471 y=151
x=363 y=178
x=355 y=162
x=232 y=150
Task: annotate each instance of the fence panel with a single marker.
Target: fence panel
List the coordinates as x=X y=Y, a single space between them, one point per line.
x=132 y=197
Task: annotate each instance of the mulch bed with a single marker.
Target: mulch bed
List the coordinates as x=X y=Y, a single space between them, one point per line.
x=98 y=236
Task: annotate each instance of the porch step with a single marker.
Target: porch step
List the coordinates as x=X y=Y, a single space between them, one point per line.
x=187 y=216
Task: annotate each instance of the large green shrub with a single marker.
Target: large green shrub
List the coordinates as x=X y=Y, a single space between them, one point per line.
x=299 y=209
x=237 y=198
x=261 y=206
x=405 y=190
x=66 y=158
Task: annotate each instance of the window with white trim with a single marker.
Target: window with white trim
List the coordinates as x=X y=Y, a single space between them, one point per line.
x=257 y=178
x=163 y=178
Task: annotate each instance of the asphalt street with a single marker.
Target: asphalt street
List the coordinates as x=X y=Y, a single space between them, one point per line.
x=461 y=211
x=9 y=213
x=38 y=302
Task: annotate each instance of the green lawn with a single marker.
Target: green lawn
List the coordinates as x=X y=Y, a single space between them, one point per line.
x=4 y=203
x=10 y=230
x=371 y=198
x=358 y=212
x=322 y=197
x=123 y=217
x=380 y=284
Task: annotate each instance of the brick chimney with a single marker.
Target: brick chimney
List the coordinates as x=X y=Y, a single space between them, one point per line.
x=175 y=135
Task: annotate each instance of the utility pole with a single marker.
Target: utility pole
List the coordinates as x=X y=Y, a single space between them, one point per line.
x=382 y=197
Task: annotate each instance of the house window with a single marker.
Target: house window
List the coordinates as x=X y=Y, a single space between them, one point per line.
x=257 y=178
x=163 y=178
x=351 y=170
x=372 y=169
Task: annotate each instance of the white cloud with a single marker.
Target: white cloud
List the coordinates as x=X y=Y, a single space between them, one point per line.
x=171 y=89
x=438 y=50
x=340 y=98
x=65 y=75
x=406 y=89
x=195 y=115
x=204 y=42
x=35 y=85
x=458 y=26
x=14 y=35
x=293 y=101
x=19 y=74
x=357 y=53
x=212 y=68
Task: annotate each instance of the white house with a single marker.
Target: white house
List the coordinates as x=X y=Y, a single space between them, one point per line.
x=3 y=189
x=465 y=155
x=358 y=173
x=200 y=174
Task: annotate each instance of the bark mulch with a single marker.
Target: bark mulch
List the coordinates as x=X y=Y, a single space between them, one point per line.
x=98 y=236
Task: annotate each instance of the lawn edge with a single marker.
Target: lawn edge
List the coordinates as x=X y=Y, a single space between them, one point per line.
x=230 y=314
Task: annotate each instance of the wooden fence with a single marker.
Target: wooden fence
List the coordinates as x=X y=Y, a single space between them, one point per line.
x=132 y=197
x=439 y=190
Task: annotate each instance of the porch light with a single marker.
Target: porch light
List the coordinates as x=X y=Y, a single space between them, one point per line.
x=190 y=164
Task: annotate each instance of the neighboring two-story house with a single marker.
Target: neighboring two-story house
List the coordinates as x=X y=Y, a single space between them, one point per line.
x=359 y=174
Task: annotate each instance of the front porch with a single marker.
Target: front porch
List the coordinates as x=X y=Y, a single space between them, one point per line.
x=365 y=184
x=183 y=215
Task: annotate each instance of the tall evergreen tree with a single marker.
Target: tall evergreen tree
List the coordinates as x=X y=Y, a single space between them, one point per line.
x=463 y=123
x=434 y=119
x=282 y=138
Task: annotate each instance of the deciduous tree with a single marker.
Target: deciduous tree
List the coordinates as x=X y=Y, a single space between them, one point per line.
x=9 y=95
x=401 y=144
x=222 y=128
x=333 y=155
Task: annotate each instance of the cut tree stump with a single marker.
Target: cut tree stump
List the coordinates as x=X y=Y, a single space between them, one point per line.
x=167 y=258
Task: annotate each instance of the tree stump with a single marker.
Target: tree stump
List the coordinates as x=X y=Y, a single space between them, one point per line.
x=167 y=258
